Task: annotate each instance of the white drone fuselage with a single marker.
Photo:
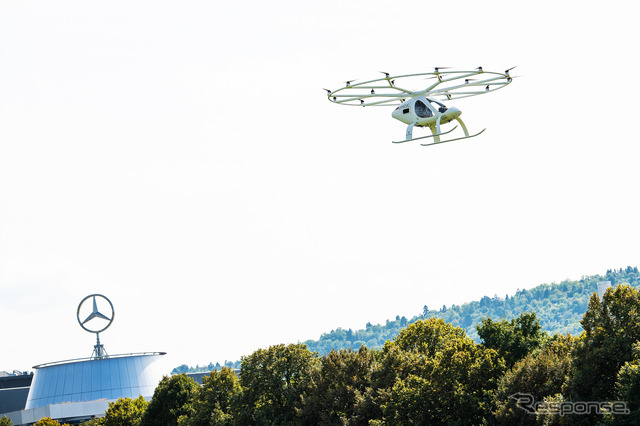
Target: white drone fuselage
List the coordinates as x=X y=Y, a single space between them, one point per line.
x=424 y=112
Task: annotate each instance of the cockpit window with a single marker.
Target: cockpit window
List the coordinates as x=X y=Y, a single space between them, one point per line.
x=437 y=105
x=422 y=110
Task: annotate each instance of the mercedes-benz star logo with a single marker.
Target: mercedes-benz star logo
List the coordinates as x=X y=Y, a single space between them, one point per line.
x=95 y=317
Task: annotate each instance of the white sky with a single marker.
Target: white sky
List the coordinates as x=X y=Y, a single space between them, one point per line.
x=182 y=159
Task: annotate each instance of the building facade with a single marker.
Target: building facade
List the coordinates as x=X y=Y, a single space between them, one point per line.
x=14 y=390
x=77 y=390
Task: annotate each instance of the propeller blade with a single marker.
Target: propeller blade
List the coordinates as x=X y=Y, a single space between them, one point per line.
x=507 y=71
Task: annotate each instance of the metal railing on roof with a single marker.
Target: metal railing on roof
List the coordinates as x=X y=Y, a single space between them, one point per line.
x=67 y=361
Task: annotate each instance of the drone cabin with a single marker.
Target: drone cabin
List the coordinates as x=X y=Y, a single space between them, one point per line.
x=424 y=112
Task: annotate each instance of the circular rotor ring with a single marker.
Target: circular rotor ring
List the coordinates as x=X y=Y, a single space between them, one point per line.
x=448 y=85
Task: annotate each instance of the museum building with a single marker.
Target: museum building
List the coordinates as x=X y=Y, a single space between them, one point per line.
x=77 y=390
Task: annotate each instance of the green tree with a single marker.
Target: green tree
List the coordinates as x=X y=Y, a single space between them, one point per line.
x=5 y=421
x=48 y=421
x=184 y=368
x=212 y=404
x=628 y=388
x=340 y=385
x=611 y=328
x=541 y=374
x=273 y=381
x=512 y=339
x=436 y=374
x=125 y=412
x=92 y=422
x=171 y=399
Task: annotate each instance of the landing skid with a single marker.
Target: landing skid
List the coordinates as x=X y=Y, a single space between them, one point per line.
x=451 y=140
x=431 y=136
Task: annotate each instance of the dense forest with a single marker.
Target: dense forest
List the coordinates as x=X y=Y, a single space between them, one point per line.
x=559 y=307
x=431 y=372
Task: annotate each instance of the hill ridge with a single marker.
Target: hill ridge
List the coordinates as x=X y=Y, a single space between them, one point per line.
x=558 y=306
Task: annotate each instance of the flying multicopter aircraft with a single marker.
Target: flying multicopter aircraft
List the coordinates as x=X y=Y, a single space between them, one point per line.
x=422 y=108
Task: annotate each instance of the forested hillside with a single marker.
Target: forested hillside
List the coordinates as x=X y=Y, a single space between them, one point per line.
x=558 y=306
